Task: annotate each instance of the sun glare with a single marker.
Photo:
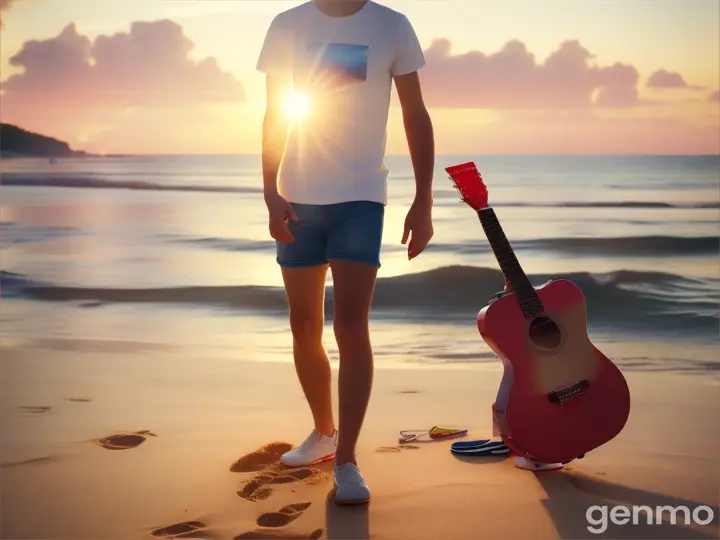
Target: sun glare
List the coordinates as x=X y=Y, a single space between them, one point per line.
x=297 y=105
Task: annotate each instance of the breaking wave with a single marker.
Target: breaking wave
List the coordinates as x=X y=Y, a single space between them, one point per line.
x=623 y=300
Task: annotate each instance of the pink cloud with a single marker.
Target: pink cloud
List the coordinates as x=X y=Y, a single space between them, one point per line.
x=512 y=78
x=663 y=79
x=666 y=79
x=147 y=66
x=714 y=97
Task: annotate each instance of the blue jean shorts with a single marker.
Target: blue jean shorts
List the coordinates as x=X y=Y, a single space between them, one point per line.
x=349 y=231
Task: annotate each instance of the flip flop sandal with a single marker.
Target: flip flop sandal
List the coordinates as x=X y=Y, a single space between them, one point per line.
x=462 y=445
x=481 y=448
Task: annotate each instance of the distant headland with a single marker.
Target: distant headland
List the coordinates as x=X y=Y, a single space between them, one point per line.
x=17 y=142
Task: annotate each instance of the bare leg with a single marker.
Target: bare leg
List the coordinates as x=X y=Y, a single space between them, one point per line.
x=305 y=290
x=354 y=284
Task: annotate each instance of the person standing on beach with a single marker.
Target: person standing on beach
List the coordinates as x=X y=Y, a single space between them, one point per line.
x=329 y=67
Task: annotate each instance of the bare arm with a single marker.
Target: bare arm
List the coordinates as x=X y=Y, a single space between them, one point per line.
x=275 y=128
x=419 y=133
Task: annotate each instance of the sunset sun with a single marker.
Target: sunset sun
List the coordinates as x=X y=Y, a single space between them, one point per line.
x=297 y=104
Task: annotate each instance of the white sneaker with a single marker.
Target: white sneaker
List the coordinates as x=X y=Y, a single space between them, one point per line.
x=531 y=465
x=350 y=486
x=314 y=449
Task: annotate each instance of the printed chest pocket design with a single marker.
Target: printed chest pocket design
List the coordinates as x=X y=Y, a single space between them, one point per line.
x=333 y=66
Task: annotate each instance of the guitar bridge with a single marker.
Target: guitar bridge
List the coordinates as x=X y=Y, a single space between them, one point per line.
x=566 y=393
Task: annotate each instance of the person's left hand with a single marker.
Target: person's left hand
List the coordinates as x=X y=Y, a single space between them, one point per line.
x=418 y=227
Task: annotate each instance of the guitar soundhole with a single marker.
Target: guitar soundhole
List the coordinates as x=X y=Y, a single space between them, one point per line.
x=545 y=334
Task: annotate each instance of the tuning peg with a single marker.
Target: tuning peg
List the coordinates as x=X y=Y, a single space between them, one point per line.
x=462 y=199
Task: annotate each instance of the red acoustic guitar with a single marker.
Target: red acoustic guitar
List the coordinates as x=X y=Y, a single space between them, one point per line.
x=559 y=397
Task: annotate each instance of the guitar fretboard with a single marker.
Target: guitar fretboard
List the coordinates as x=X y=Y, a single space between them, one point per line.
x=525 y=293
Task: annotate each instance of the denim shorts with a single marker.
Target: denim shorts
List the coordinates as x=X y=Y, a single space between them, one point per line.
x=349 y=231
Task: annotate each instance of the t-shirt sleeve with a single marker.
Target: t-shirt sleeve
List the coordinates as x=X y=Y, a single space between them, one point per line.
x=409 y=55
x=276 y=53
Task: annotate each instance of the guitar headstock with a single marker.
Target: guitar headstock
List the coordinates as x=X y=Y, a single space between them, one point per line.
x=469 y=183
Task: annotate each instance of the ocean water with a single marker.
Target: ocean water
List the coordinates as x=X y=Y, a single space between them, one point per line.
x=150 y=251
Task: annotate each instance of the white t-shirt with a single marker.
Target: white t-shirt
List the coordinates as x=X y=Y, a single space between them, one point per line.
x=344 y=66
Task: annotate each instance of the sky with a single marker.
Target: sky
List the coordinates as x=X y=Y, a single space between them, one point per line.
x=502 y=76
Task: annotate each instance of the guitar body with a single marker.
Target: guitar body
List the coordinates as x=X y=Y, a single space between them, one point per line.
x=560 y=397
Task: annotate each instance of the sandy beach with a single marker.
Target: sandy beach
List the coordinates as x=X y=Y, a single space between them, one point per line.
x=120 y=440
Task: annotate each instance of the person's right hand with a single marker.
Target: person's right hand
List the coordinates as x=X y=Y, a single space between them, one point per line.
x=280 y=213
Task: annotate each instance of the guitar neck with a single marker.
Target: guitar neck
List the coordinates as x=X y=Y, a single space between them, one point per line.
x=509 y=265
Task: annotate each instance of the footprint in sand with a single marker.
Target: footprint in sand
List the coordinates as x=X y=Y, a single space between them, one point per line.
x=284 y=516
x=186 y=529
x=257 y=490
x=391 y=449
x=273 y=535
x=266 y=460
x=261 y=458
x=253 y=492
x=125 y=441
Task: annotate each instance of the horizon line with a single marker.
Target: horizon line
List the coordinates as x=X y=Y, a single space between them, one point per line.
x=463 y=154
